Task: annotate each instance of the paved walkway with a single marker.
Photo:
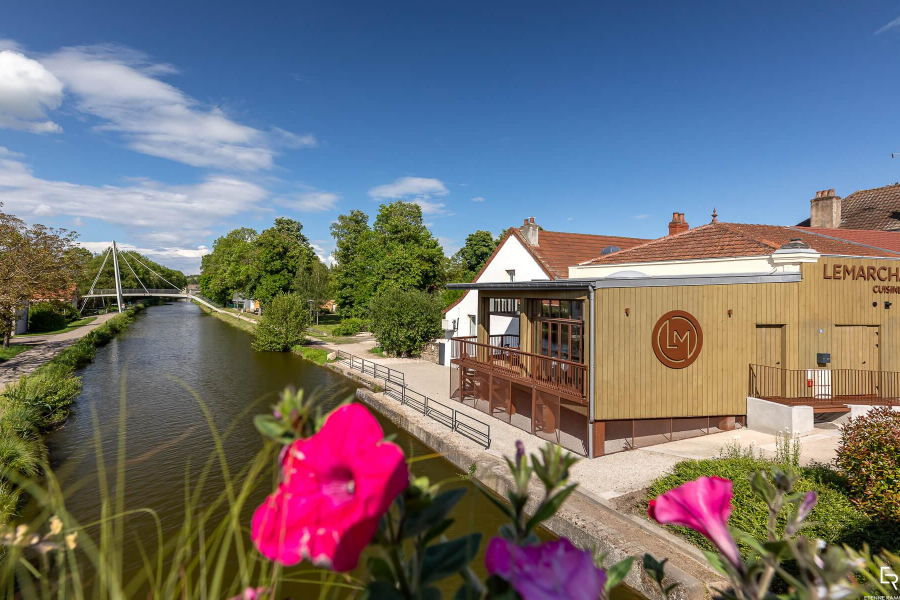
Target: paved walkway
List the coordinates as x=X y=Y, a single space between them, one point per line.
x=607 y=476
x=43 y=348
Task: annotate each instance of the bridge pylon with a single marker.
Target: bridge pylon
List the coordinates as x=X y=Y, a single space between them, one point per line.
x=120 y=301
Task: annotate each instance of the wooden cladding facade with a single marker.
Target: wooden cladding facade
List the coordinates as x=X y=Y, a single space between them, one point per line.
x=837 y=308
x=773 y=324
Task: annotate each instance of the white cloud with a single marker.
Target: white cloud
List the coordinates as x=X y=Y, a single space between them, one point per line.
x=449 y=245
x=477 y=199
x=430 y=208
x=7 y=152
x=170 y=217
x=27 y=91
x=889 y=26
x=309 y=201
x=185 y=259
x=123 y=89
x=405 y=187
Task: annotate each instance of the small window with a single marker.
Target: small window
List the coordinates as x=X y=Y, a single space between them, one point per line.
x=511 y=273
x=473 y=329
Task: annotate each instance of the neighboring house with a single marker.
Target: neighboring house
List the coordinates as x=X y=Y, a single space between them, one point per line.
x=527 y=253
x=245 y=304
x=875 y=209
x=21 y=325
x=330 y=306
x=704 y=330
x=193 y=288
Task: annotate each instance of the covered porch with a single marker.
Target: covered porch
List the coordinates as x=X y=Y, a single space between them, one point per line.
x=528 y=364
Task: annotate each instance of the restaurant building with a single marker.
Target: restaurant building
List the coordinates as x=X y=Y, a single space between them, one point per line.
x=668 y=339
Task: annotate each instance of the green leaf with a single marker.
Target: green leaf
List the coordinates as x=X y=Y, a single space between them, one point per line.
x=433 y=514
x=442 y=560
x=381 y=590
x=617 y=572
x=549 y=507
x=437 y=530
x=379 y=569
x=269 y=427
x=763 y=488
x=504 y=508
x=780 y=549
x=716 y=562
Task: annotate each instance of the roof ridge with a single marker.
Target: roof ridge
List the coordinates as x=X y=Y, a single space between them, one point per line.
x=646 y=244
x=597 y=235
x=854 y=242
x=880 y=187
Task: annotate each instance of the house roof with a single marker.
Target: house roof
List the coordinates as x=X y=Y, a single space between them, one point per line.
x=727 y=240
x=889 y=240
x=557 y=250
x=877 y=208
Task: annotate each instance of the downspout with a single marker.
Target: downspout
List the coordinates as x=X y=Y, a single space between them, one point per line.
x=591 y=373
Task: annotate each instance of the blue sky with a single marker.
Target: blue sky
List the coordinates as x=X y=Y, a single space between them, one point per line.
x=166 y=124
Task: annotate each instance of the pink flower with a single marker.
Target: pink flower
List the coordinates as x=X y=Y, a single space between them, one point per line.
x=252 y=594
x=549 y=571
x=704 y=506
x=337 y=484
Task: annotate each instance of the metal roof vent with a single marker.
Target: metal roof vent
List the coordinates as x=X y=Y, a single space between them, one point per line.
x=795 y=244
x=609 y=250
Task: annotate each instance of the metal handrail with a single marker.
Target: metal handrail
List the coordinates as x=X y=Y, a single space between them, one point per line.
x=465 y=425
x=824 y=386
x=371 y=368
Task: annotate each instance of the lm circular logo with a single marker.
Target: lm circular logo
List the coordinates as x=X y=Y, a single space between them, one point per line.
x=677 y=339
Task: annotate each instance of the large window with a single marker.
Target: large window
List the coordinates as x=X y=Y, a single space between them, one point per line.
x=559 y=329
x=505 y=306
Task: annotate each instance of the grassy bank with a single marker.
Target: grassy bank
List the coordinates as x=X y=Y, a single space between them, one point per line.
x=228 y=317
x=70 y=327
x=40 y=401
x=11 y=352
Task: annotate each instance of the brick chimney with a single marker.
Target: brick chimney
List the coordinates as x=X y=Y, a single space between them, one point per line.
x=825 y=210
x=678 y=224
x=529 y=229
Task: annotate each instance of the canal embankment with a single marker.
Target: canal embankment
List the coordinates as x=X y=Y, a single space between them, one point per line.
x=586 y=519
x=39 y=400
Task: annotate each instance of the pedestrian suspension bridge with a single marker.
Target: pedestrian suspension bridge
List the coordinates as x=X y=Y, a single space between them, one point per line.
x=120 y=293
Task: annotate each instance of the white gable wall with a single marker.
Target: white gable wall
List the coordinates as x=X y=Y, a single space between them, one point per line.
x=512 y=255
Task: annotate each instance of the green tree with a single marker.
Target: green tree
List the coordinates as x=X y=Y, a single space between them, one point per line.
x=313 y=283
x=404 y=320
x=398 y=252
x=227 y=268
x=283 y=324
x=34 y=261
x=478 y=248
x=279 y=253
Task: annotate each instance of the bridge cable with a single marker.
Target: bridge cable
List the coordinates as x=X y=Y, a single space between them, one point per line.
x=152 y=271
x=133 y=273
x=94 y=284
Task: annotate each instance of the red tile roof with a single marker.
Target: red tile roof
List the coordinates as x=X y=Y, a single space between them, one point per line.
x=726 y=240
x=556 y=251
x=878 y=208
x=889 y=240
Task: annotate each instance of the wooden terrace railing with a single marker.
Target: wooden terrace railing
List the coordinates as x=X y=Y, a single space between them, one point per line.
x=824 y=387
x=552 y=374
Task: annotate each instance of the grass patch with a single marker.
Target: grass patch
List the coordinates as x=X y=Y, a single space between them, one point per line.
x=40 y=401
x=70 y=327
x=834 y=519
x=316 y=355
x=377 y=351
x=13 y=351
x=229 y=317
x=249 y=315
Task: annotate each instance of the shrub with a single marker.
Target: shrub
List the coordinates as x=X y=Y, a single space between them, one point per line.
x=283 y=324
x=869 y=456
x=44 y=316
x=834 y=519
x=404 y=320
x=350 y=326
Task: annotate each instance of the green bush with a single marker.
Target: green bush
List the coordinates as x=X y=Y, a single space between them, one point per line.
x=869 y=456
x=834 y=519
x=44 y=316
x=350 y=326
x=283 y=324
x=404 y=320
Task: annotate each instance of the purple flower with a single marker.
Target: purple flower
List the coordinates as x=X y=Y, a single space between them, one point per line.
x=806 y=506
x=549 y=571
x=520 y=453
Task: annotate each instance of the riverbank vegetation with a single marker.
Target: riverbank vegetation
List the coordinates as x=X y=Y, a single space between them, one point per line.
x=39 y=402
x=283 y=324
x=72 y=326
x=310 y=353
x=404 y=320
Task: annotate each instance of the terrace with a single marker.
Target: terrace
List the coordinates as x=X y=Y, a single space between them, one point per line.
x=826 y=390
x=535 y=379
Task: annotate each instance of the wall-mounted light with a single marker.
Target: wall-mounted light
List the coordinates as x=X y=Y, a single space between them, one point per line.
x=887 y=304
x=730 y=312
x=875 y=304
x=627 y=312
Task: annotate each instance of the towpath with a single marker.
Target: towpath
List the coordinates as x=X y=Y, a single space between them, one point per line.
x=43 y=348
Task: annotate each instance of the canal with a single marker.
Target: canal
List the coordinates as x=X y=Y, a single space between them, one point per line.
x=176 y=346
